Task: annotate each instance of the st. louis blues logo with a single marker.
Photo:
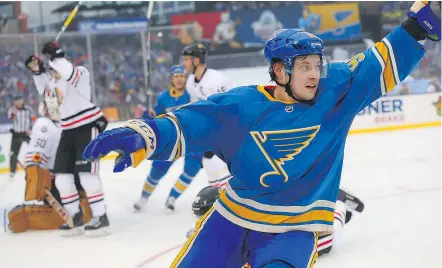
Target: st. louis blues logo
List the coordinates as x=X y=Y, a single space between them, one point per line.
x=279 y=146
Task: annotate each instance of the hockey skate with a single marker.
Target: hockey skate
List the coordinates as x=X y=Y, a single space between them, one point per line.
x=141 y=203
x=351 y=201
x=170 y=204
x=98 y=226
x=78 y=228
x=190 y=233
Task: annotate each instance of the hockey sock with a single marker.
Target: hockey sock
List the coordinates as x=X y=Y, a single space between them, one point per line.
x=181 y=185
x=149 y=186
x=68 y=192
x=92 y=186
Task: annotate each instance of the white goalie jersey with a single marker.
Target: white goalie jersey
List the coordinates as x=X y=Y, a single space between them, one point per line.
x=43 y=145
x=212 y=82
x=73 y=92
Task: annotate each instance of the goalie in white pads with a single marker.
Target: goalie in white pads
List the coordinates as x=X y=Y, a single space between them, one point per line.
x=36 y=213
x=201 y=84
x=81 y=121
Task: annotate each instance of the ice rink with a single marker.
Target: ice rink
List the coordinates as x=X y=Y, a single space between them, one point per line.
x=397 y=174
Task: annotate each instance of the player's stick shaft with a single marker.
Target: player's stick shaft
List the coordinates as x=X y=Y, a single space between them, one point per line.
x=68 y=20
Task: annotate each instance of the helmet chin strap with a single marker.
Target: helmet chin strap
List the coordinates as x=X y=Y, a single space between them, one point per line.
x=288 y=90
x=194 y=66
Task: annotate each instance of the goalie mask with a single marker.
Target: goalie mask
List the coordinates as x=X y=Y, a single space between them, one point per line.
x=49 y=108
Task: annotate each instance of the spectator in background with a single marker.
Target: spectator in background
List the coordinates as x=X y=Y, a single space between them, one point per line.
x=433 y=86
x=405 y=90
x=22 y=117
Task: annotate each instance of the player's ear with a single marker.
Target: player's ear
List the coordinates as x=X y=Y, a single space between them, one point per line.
x=278 y=70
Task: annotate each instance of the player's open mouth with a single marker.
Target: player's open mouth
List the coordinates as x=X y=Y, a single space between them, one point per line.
x=311 y=87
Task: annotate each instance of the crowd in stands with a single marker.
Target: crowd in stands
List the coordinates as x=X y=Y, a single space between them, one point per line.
x=118 y=61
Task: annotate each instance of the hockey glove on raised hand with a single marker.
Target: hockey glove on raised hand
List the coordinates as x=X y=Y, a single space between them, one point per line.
x=428 y=15
x=128 y=142
x=34 y=64
x=52 y=50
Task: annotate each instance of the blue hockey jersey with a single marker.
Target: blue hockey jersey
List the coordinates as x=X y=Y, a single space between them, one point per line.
x=171 y=99
x=286 y=157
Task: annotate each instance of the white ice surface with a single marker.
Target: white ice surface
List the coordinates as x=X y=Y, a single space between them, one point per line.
x=397 y=174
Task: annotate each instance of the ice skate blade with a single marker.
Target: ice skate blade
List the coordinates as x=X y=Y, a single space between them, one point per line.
x=99 y=232
x=72 y=232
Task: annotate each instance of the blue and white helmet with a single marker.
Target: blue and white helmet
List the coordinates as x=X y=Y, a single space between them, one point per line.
x=286 y=44
x=177 y=69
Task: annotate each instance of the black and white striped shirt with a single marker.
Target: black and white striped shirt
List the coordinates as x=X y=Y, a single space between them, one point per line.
x=21 y=118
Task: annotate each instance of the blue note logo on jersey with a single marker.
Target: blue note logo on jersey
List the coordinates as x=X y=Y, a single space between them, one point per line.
x=279 y=146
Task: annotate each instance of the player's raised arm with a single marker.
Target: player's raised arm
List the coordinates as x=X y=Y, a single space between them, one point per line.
x=380 y=68
x=196 y=127
x=41 y=78
x=77 y=76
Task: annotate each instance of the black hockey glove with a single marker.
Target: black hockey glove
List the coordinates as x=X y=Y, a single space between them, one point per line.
x=101 y=124
x=34 y=64
x=52 y=50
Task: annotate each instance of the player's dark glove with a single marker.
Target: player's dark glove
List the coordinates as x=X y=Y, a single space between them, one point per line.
x=428 y=15
x=34 y=64
x=52 y=50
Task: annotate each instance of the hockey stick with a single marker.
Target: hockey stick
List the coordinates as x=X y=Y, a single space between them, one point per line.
x=61 y=211
x=68 y=20
x=149 y=88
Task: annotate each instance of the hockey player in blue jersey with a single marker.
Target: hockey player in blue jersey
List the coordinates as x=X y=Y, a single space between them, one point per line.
x=284 y=145
x=168 y=101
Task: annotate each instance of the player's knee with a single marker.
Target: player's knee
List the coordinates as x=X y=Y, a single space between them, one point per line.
x=65 y=183
x=90 y=182
x=156 y=174
x=192 y=170
x=278 y=264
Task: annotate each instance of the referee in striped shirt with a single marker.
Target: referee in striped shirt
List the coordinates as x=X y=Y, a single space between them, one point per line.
x=22 y=117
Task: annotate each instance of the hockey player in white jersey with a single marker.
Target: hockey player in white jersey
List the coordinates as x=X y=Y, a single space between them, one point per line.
x=36 y=213
x=201 y=84
x=81 y=121
x=45 y=136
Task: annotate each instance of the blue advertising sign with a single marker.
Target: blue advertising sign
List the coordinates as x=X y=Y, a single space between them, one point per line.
x=256 y=26
x=112 y=25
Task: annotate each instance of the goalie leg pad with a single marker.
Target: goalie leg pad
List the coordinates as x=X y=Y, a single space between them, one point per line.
x=33 y=217
x=37 y=180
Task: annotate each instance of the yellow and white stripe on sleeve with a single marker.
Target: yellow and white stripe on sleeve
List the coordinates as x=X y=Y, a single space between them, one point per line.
x=389 y=76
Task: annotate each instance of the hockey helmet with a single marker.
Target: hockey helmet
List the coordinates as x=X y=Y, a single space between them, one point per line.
x=205 y=200
x=196 y=50
x=287 y=44
x=177 y=69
